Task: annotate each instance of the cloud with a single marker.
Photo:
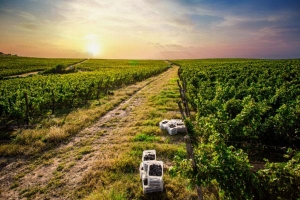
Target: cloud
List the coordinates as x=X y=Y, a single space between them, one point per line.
x=5 y=10
x=30 y=26
x=26 y=15
x=280 y=35
x=171 y=27
x=167 y=46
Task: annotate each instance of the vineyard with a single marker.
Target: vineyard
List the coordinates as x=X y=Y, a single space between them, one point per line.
x=94 y=151
x=14 y=65
x=247 y=111
x=77 y=129
x=24 y=100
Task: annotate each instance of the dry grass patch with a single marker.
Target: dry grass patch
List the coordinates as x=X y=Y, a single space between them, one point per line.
x=107 y=194
x=126 y=131
x=120 y=180
x=56 y=134
x=13 y=149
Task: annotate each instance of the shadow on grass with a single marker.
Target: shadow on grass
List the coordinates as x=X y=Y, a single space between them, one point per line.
x=155 y=196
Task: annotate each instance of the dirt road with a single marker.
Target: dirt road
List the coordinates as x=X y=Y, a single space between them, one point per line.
x=60 y=171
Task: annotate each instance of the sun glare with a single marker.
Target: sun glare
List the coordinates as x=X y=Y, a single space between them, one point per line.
x=93 y=49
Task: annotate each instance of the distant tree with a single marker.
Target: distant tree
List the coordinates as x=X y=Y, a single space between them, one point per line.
x=59 y=68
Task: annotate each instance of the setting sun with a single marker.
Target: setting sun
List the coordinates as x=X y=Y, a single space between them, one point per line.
x=93 y=49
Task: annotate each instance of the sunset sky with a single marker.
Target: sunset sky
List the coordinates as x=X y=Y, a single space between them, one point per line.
x=151 y=29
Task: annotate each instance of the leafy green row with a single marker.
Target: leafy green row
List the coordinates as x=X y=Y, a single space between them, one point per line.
x=96 y=64
x=12 y=65
x=247 y=103
x=254 y=100
x=24 y=99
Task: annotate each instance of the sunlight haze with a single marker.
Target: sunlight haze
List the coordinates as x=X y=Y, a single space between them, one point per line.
x=150 y=29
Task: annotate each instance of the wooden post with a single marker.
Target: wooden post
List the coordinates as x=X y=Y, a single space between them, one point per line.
x=181 y=110
x=190 y=152
x=180 y=90
x=184 y=100
x=184 y=85
x=187 y=139
x=186 y=108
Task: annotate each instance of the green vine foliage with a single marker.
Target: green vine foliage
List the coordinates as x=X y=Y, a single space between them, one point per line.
x=51 y=93
x=249 y=104
x=231 y=169
x=281 y=180
x=228 y=166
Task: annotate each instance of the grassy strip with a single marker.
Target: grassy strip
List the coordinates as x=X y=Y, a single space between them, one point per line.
x=118 y=177
x=55 y=130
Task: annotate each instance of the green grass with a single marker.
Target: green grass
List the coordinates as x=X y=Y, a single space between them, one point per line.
x=142 y=137
x=85 y=150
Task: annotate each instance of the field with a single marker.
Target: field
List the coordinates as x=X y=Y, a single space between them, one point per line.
x=13 y=65
x=248 y=100
x=23 y=101
x=77 y=129
x=247 y=113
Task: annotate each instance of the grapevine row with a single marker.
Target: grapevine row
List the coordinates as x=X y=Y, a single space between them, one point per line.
x=12 y=65
x=253 y=100
x=252 y=103
x=24 y=99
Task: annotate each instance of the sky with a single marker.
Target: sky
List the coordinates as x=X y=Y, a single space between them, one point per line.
x=150 y=29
